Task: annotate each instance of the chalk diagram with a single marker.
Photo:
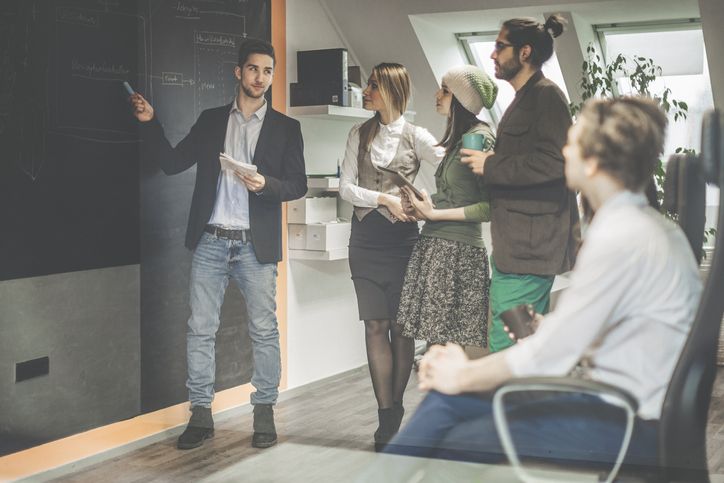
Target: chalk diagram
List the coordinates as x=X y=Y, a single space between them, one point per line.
x=214 y=32
x=67 y=59
x=97 y=51
x=23 y=99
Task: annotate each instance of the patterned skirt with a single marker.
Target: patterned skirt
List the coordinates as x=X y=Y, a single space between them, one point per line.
x=445 y=294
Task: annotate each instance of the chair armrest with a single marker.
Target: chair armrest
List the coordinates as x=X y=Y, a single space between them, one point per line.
x=570 y=384
x=612 y=394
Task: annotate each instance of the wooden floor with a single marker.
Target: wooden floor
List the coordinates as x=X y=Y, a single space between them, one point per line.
x=339 y=412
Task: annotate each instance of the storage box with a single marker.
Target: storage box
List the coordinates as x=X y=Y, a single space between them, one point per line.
x=319 y=236
x=312 y=210
x=324 y=65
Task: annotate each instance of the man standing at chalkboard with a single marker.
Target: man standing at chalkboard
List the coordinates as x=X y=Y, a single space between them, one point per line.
x=234 y=230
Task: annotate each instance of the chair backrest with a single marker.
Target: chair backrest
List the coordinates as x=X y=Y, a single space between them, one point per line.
x=685 y=198
x=682 y=438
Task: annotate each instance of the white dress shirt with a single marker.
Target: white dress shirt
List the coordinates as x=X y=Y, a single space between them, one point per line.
x=231 y=209
x=633 y=296
x=382 y=151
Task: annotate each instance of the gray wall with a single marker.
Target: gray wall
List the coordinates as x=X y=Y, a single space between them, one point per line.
x=87 y=323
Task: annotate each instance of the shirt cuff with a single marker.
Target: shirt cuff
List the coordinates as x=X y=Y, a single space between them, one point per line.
x=519 y=359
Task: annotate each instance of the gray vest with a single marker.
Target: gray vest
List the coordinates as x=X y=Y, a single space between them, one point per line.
x=369 y=177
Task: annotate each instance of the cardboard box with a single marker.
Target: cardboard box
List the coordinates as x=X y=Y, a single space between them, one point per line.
x=297 y=237
x=319 y=236
x=312 y=210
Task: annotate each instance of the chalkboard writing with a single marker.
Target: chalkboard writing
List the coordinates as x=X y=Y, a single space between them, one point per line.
x=70 y=165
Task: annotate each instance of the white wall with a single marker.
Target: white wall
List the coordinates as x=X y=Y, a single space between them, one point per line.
x=420 y=35
x=324 y=335
x=401 y=31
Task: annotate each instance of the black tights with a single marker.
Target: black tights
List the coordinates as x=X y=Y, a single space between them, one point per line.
x=389 y=356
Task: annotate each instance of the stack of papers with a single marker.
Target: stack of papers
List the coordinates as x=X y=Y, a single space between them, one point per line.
x=230 y=164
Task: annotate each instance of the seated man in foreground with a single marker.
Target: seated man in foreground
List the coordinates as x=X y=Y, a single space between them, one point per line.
x=623 y=321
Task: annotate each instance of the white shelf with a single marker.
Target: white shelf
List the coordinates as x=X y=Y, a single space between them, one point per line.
x=337 y=112
x=330 y=112
x=337 y=254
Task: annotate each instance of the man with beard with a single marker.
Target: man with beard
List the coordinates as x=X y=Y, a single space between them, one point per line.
x=534 y=217
x=234 y=230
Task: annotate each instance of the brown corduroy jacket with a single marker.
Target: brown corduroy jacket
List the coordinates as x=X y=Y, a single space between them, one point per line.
x=534 y=217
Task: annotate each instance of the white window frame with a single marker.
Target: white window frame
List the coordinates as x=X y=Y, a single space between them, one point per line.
x=464 y=39
x=600 y=30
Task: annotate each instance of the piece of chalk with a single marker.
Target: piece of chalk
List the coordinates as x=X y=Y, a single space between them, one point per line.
x=128 y=88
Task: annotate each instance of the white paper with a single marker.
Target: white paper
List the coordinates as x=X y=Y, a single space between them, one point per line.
x=230 y=164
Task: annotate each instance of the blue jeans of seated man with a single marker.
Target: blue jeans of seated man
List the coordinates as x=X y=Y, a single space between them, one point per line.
x=215 y=261
x=564 y=427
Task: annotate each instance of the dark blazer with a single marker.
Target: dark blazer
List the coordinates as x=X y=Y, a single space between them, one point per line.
x=279 y=157
x=534 y=217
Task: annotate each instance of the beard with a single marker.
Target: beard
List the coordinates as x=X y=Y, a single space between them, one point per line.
x=252 y=94
x=509 y=69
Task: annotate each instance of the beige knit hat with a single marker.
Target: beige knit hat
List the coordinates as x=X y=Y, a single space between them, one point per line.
x=472 y=87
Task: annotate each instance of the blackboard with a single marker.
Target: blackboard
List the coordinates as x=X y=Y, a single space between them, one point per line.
x=69 y=171
x=74 y=192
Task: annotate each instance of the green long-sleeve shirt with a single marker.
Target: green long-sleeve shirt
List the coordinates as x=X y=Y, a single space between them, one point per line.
x=458 y=187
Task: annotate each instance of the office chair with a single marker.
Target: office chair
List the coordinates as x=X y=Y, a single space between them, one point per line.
x=685 y=198
x=682 y=427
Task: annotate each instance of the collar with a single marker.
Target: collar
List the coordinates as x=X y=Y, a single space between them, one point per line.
x=534 y=79
x=259 y=113
x=394 y=126
x=624 y=198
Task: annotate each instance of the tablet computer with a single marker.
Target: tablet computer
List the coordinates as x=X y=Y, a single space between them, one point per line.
x=401 y=181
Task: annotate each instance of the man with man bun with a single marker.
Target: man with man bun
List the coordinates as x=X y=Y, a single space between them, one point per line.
x=534 y=217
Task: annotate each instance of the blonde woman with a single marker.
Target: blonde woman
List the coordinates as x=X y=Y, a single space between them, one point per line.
x=382 y=234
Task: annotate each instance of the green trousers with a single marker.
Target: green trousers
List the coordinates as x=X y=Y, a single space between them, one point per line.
x=508 y=290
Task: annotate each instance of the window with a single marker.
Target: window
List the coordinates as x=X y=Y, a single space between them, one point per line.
x=678 y=48
x=478 y=46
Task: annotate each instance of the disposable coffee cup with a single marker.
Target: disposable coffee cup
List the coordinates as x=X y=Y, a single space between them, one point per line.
x=473 y=140
x=518 y=320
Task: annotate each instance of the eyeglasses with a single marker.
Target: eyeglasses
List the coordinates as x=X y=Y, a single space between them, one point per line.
x=500 y=46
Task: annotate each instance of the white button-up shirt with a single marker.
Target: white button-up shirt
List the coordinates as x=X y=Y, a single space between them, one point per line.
x=231 y=209
x=633 y=296
x=382 y=151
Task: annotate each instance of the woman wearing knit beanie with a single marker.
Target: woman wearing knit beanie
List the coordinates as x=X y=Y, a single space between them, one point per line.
x=445 y=295
x=382 y=234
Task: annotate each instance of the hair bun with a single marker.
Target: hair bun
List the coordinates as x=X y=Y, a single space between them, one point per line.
x=554 y=25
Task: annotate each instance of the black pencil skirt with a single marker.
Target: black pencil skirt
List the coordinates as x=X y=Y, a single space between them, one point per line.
x=378 y=254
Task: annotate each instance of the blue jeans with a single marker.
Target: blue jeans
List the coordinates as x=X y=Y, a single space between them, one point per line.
x=567 y=428
x=215 y=260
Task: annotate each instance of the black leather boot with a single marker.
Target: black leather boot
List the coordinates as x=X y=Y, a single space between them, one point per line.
x=384 y=432
x=200 y=427
x=265 y=433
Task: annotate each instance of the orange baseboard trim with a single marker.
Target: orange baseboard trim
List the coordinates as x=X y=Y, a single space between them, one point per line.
x=77 y=447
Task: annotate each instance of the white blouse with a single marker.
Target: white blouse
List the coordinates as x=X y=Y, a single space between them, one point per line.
x=382 y=151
